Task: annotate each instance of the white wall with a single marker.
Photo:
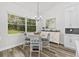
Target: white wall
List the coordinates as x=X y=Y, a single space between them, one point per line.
x=17 y=9
x=27 y=10
x=58 y=13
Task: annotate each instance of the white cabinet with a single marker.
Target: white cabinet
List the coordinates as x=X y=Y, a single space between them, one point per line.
x=71 y=21
x=69 y=41
x=55 y=37
x=71 y=16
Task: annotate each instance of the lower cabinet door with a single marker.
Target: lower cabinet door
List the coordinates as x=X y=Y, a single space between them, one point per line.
x=74 y=41
x=69 y=42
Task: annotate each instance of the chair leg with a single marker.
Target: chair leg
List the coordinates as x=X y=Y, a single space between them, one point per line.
x=30 y=53
x=23 y=46
x=39 y=54
x=76 y=53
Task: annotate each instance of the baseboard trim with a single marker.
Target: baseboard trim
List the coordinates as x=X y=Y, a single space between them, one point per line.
x=56 y=43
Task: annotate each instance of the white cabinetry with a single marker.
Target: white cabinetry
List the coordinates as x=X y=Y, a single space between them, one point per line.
x=71 y=21
x=69 y=41
x=55 y=37
x=71 y=16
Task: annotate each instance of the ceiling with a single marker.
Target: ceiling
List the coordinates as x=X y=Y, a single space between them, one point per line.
x=43 y=6
x=32 y=6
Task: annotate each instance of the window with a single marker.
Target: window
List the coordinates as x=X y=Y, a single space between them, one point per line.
x=31 y=25
x=16 y=24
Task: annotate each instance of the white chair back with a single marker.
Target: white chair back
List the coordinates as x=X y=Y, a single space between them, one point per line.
x=35 y=39
x=46 y=40
x=48 y=36
x=44 y=34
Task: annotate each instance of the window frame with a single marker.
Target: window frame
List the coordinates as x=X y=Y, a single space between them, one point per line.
x=16 y=24
x=31 y=25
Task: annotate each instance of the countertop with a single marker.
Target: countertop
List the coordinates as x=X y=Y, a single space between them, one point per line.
x=51 y=30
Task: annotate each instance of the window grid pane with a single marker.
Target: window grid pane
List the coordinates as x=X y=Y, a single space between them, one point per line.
x=31 y=25
x=16 y=24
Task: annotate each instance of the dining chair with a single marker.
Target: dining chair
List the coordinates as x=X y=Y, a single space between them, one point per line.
x=46 y=40
x=35 y=44
x=27 y=41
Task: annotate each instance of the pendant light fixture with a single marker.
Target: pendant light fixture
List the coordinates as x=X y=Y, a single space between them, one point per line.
x=37 y=17
x=37 y=12
x=37 y=9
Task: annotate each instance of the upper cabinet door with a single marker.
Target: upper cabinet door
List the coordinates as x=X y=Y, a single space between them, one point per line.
x=74 y=17
x=71 y=16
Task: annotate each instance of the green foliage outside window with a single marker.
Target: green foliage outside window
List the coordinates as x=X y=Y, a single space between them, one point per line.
x=31 y=25
x=16 y=24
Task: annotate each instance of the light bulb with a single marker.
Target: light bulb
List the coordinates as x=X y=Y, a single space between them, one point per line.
x=40 y=16
x=35 y=16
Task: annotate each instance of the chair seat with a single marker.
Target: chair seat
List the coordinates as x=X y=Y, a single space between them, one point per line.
x=44 y=39
x=28 y=39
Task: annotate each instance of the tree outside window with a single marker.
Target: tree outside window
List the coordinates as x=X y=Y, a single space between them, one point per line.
x=16 y=24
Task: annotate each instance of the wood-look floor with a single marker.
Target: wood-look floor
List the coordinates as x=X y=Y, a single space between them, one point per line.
x=54 y=51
